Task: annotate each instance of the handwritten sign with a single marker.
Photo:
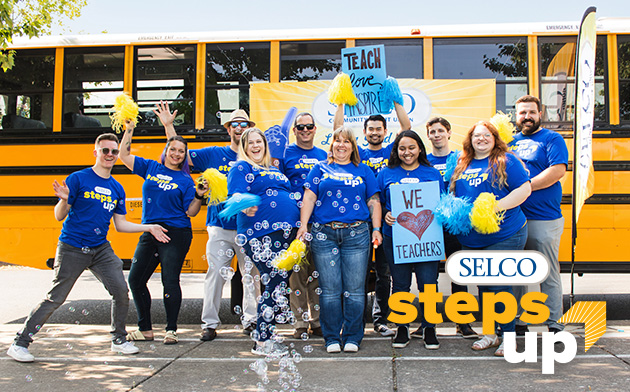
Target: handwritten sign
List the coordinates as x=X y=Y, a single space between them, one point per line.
x=417 y=236
x=366 y=67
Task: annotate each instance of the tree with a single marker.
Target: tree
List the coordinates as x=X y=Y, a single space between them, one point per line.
x=31 y=18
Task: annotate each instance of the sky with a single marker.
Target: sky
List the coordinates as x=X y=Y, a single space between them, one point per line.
x=160 y=16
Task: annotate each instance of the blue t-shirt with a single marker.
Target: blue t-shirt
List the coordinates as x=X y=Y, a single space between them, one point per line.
x=342 y=192
x=477 y=178
x=166 y=193
x=539 y=151
x=376 y=160
x=439 y=162
x=278 y=208
x=297 y=163
x=93 y=201
x=398 y=175
x=222 y=159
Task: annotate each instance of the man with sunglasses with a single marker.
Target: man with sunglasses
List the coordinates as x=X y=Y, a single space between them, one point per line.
x=299 y=159
x=376 y=157
x=88 y=199
x=221 y=246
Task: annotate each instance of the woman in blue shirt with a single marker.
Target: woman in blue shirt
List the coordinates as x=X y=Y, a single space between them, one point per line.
x=169 y=197
x=264 y=231
x=486 y=165
x=408 y=164
x=341 y=194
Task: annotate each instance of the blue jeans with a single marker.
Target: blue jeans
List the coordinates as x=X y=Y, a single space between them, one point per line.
x=341 y=257
x=515 y=242
x=148 y=255
x=273 y=300
x=426 y=273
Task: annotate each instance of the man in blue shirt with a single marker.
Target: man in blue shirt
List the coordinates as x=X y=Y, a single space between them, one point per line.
x=545 y=154
x=88 y=199
x=221 y=246
x=299 y=159
x=439 y=134
x=376 y=157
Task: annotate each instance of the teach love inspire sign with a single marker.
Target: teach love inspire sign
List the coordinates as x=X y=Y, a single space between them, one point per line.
x=417 y=236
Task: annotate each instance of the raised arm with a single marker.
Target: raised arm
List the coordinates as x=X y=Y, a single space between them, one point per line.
x=167 y=118
x=122 y=225
x=338 y=121
x=403 y=118
x=195 y=205
x=62 y=207
x=125 y=145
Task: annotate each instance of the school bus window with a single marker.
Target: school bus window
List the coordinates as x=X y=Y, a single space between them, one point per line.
x=230 y=70
x=313 y=60
x=93 y=77
x=502 y=59
x=404 y=56
x=26 y=102
x=166 y=73
x=623 y=53
x=557 y=78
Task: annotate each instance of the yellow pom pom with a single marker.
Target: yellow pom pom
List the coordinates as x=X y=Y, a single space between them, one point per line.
x=484 y=217
x=296 y=254
x=217 y=182
x=502 y=123
x=124 y=109
x=340 y=91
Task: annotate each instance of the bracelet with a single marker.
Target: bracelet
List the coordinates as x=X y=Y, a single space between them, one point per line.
x=198 y=197
x=377 y=229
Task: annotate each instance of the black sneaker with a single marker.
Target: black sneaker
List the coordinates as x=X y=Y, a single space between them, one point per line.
x=466 y=331
x=208 y=334
x=554 y=330
x=417 y=333
x=248 y=329
x=521 y=329
x=401 y=340
x=430 y=339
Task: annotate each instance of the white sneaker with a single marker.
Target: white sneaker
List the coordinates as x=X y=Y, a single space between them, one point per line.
x=20 y=353
x=350 y=348
x=333 y=348
x=125 y=348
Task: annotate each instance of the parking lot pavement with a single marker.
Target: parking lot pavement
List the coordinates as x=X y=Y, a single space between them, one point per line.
x=71 y=357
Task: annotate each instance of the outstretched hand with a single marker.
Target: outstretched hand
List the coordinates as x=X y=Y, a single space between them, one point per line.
x=61 y=191
x=159 y=233
x=164 y=113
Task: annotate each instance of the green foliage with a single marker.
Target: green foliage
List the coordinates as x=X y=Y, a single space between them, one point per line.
x=31 y=18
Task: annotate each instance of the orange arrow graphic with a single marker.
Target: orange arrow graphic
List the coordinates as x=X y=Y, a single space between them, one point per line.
x=593 y=315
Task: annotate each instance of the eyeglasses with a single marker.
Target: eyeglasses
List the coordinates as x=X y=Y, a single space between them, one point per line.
x=106 y=151
x=482 y=136
x=242 y=124
x=300 y=127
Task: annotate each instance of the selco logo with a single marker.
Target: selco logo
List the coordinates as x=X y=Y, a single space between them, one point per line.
x=103 y=191
x=498 y=268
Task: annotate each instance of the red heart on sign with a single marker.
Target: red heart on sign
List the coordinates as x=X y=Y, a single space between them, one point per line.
x=417 y=224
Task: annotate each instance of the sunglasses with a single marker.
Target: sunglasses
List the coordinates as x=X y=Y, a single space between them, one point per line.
x=106 y=151
x=300 y=127
x=242 y=124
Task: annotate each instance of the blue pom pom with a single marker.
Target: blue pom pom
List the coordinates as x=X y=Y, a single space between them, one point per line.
x=453 y=214
x=390 y=93
x=451 y=163
x=237 y=203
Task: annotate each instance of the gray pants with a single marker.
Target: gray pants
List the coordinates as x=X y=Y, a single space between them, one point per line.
x=307 y=301
x=544 y=236
x=70 y=262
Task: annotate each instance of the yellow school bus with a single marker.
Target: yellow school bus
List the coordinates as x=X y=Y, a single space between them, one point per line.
x=58 y=96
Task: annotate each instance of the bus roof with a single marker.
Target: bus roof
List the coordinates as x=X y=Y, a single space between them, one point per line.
x=604 y=25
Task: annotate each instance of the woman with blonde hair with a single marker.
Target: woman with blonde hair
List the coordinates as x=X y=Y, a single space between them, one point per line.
x=341 y=193
x=264 y=231
x=486 y=165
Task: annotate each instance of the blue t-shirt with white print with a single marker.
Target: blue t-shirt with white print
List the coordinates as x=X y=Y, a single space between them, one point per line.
x=539 y=151
x=342 y=192
x=220 y=158
x=296 y=165
x=477 y=178
x=440 y=162
x=376 y=160
x=166 y=193
x=93 y=201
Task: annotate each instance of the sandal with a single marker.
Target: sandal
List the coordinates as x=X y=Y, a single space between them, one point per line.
x=170 y=337
x=138 y=336
x=500 y=351
x=486 y=342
